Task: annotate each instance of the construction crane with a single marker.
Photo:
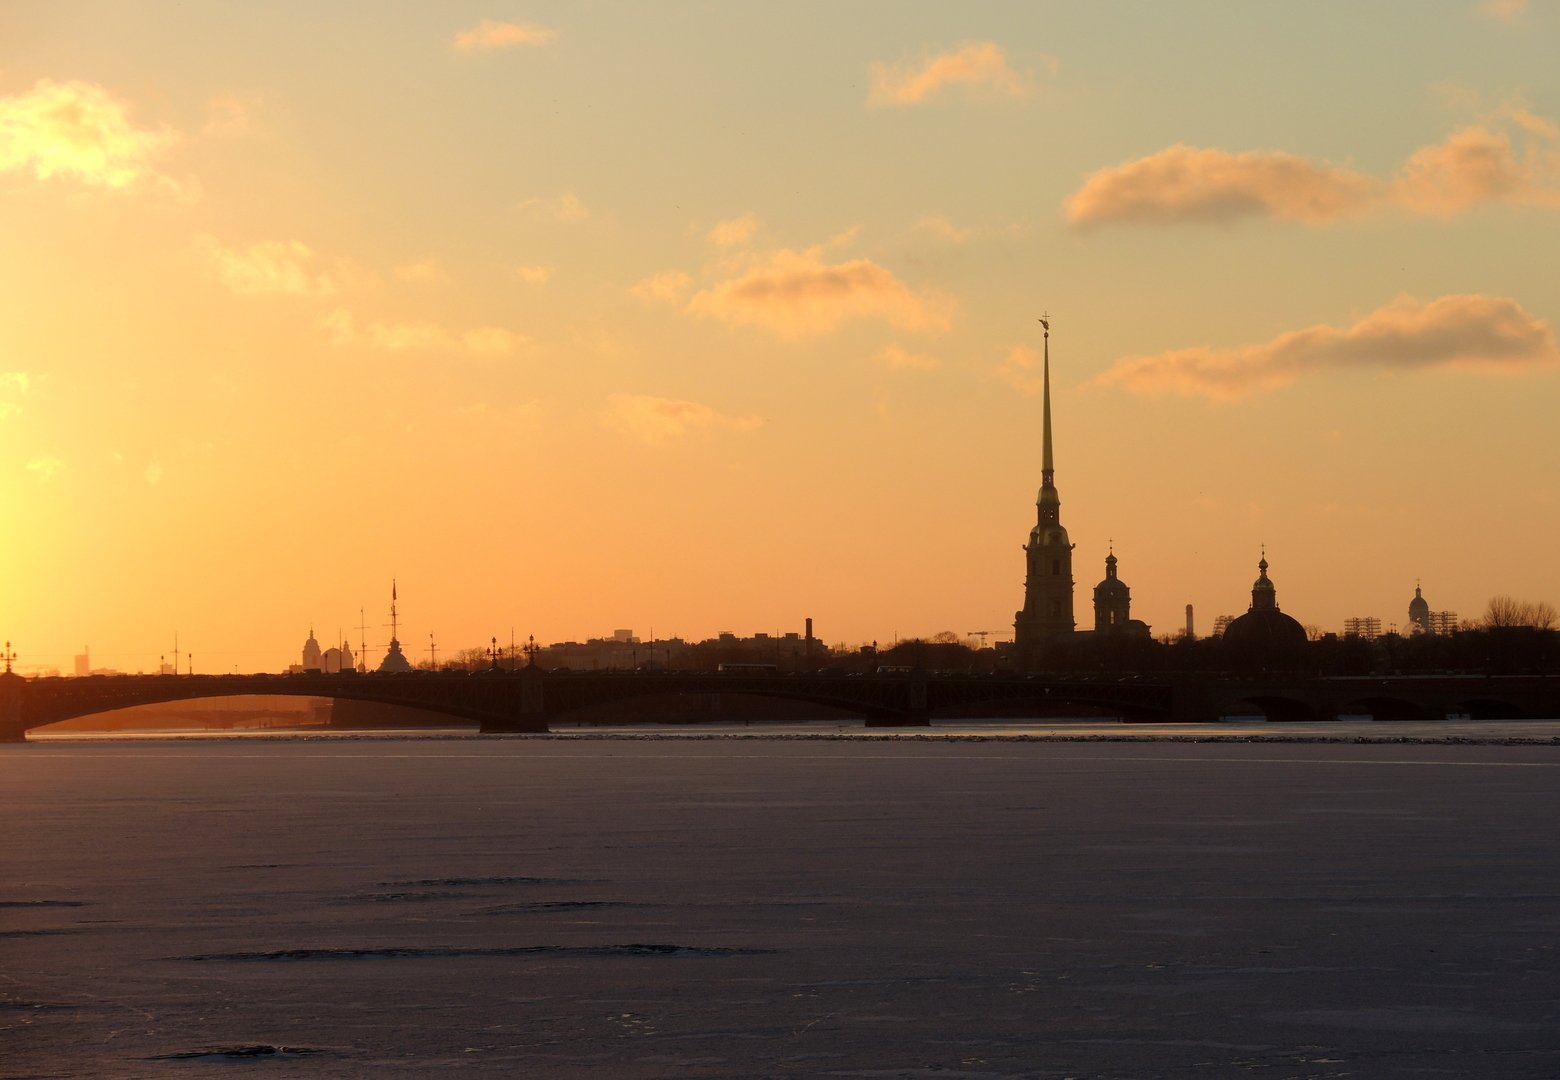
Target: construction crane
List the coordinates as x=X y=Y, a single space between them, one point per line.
x=983 y=634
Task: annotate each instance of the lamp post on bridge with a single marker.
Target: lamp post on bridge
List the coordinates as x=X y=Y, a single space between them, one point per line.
x=9 y=656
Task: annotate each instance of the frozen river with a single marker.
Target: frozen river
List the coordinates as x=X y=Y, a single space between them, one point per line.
x=798 y=907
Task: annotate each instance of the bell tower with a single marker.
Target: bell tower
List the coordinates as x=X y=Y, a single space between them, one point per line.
x=1047 y=613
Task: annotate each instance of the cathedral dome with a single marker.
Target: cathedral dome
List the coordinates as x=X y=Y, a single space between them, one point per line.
x=1264 y=633
x=1264 y=630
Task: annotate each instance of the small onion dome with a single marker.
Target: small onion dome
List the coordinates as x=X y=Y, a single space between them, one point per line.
x=1111 y=585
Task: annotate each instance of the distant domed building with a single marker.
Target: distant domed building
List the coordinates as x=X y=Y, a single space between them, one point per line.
x=1113 y=605
x=1419 y=614
x=330 y=661
x=1264 y=635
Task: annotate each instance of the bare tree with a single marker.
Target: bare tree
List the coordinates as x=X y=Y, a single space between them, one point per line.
x=1508 y=611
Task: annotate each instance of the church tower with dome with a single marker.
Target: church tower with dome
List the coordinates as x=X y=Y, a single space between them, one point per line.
x=1047 y=614
x=1264 y=635
x=1419 y=613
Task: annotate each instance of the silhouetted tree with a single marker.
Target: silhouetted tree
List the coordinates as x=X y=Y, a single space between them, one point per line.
x=1507 y=611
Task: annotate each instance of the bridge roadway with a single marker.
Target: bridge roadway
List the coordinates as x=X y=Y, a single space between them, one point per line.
x=526 y=700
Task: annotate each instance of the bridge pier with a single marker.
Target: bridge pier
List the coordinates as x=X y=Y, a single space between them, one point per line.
x=12 y=687
x=530 y=717
x=513 y=725
x=913 y=718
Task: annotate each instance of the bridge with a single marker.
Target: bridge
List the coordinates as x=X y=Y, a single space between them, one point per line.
x=529 y=699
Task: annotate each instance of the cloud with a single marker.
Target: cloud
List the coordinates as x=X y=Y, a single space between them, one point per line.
x=945 y=229
x=1184 y=183
x=566 y=208
x=735 y=231
x=344 y=331
x=668 y=285
x=1475 y=165
x=423 y=272
x=490 y=35
x=897 y=358
x=534 y=274
x=1480 y=165
x=656 y=419
x=796 y=294
x=16 y=382
x=979 y=65
x=231 y=117
x=79 y=130
x=275 y=267
x=1023 y=369
x=1468 y=331
x=1505 y=10
x=45 y=468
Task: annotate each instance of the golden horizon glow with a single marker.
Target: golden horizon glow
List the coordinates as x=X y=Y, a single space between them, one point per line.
x=576 y=319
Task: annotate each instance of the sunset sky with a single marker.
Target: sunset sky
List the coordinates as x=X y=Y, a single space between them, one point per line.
x=690 y=317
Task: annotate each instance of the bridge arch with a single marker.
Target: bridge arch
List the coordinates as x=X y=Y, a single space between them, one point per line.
x=1483 y=708
x=1385 y=708
x=1274 y=708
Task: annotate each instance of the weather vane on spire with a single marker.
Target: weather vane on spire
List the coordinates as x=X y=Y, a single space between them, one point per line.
x=1045 y=321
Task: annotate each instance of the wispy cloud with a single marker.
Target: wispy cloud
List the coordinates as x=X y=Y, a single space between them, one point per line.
x=897 y=358
x=667 y=286
x=979 y=66
x=534 y=274
x=490 y=35
x=79 y=130
x=229 y=116
x=943 y=228
x=1184 y=183
x=422 y=272
x=45 y=467
x=738 y=230
x=797 y=294
x=345 y=331
x=1023 y=370
x=1481 y=163
x=274 y=267
x=1478 y=164
x=567 y=208
x=16 y=383
x=656 y=419
x=1468 y=331
x=1508 y=11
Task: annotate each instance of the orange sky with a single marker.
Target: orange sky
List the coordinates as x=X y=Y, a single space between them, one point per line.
x=689 y=319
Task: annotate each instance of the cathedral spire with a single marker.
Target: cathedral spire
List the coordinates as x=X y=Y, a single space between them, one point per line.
x=1047 y=463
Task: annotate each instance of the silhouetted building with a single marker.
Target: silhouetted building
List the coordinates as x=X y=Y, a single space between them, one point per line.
x=311 y=653
x=395 y=660
x=1047 y=614
x=1419 y=614
x=1113 y=605
x=1264 y=634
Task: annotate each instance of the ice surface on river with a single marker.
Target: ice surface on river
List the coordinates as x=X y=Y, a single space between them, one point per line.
x=776 y=908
